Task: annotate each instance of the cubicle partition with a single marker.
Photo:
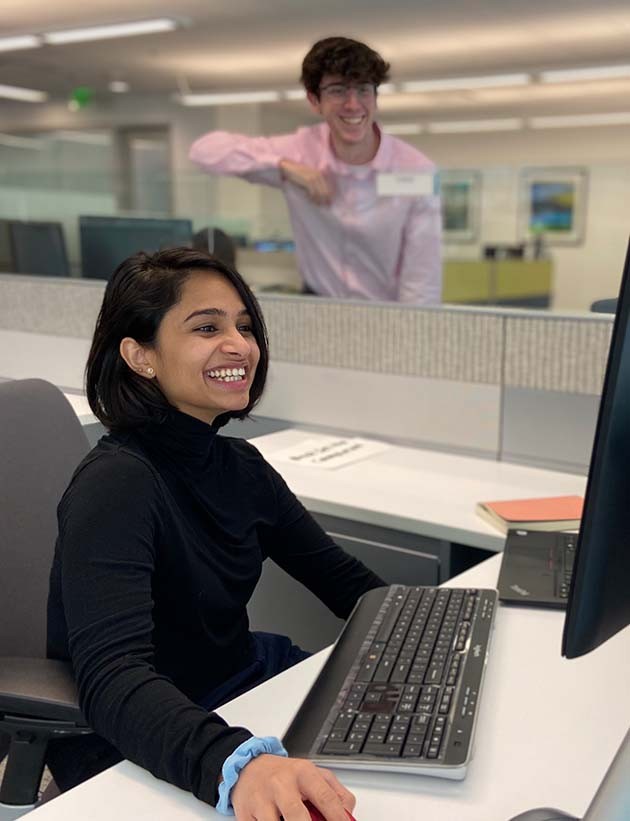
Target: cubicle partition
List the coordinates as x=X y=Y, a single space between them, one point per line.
x=504 y=384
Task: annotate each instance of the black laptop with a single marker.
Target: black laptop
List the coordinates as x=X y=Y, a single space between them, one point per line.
x=536 y=568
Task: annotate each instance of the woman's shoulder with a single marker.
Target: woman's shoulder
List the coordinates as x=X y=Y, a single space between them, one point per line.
x=113 y=465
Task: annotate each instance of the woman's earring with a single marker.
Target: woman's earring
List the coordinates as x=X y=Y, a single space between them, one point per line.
x=150 y=371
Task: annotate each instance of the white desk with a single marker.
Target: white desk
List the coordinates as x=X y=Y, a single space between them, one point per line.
x=420 y=491
x=547 y=730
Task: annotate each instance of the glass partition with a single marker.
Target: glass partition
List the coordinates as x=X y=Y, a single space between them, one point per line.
x=548 y=236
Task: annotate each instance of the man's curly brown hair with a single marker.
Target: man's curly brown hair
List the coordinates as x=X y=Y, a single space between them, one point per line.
x=349 y=59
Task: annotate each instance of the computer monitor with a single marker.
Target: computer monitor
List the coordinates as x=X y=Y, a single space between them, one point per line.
x=599 y=597
x=38 y=248
x=107 y=241
x=6 y=256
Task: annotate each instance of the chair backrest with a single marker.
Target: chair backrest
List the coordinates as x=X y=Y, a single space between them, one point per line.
x=605 y=306
x=39 y=248
x=41 y=443
x=218 y=243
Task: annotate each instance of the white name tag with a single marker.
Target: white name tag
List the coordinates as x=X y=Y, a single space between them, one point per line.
x=405 y=184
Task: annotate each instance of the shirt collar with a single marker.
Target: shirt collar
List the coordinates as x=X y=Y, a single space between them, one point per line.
x=380 y=162
x=181 y=439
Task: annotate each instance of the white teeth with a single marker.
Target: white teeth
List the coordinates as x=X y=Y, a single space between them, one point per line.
x=227 y=374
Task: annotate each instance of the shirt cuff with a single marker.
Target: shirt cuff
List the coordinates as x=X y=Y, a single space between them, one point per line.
x=241 y=756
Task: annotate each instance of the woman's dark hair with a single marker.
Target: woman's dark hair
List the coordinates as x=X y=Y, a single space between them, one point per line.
x=142 y=289
x=347 y=58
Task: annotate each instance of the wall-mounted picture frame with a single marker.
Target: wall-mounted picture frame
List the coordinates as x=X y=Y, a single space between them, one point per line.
x=461 y=192
x=552 y=205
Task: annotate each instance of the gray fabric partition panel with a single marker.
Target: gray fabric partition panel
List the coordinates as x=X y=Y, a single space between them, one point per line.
x=548 y=429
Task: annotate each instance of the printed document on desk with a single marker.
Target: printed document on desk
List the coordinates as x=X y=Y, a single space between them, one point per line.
x=330 y=452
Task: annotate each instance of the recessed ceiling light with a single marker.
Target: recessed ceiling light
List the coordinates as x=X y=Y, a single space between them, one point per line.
x=26 y=95
x=573 y=75
x=571 y=120
x=401 y=128
x=13 y=141
x=86 y=137
x=465 y=83
x=462 y=126
x=81 y=35
x=19 y=42
x=294 y=94
x=119 y=86
x=229 y=98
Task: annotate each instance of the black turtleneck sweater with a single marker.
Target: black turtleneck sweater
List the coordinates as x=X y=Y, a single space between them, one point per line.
x=162 y=535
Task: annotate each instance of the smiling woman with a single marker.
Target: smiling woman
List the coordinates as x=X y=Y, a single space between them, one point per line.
x=166 y=322
x=203 y=359
x=162 y=534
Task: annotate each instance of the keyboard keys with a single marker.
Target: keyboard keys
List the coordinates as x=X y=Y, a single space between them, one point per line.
x=401 y=702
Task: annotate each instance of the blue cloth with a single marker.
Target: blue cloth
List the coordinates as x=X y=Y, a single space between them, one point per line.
x=241 y=756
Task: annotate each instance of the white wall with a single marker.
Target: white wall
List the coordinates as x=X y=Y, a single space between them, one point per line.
x=584 y=272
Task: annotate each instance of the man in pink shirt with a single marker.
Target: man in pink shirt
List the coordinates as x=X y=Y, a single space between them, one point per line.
x=350 y=241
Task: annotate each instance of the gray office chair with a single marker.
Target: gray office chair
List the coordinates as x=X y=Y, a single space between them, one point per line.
x=216 y=242
x=38 y=248
x=605 y=306
x=41 y=443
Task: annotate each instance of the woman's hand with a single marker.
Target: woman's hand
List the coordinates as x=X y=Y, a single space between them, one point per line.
x=271 y=787
x=310 y=179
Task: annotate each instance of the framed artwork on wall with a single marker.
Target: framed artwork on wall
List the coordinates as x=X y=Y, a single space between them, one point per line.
x=552 y=205
x=460 y=191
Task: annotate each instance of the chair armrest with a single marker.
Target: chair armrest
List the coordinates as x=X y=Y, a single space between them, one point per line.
x=39 y=689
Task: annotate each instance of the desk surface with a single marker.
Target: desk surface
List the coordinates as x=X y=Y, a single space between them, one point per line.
x=547 y=730
x=420 y=491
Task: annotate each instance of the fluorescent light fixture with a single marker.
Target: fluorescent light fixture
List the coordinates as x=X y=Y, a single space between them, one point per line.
x=294 y=94
x=401 y=128
x=466 y=126
x=300 y=93
x=229 y=98
x=119 y=86
x=26 y=95
x=85 y=137
x=572 y=120
x=573 y=75
x=466 y=83
x=19 y=42
x=81 y=35
x=12 y=141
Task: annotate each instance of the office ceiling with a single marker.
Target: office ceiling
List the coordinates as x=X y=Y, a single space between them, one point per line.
x=254 y=44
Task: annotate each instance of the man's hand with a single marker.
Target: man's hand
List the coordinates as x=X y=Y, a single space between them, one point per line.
x=310 y=179
x=270 y=787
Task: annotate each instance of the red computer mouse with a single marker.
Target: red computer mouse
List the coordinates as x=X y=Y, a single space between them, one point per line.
x=316 y=814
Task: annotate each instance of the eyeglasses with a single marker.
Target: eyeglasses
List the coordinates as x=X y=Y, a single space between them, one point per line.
x=341 y=91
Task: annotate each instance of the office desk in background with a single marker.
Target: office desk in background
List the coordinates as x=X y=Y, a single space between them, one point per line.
x=547 y=730
x=426 y=492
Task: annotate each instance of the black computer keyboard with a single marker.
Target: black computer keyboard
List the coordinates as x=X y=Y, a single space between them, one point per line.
x=409 y=692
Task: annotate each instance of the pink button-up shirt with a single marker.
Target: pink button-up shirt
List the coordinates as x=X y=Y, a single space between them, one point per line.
x=362 y=245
